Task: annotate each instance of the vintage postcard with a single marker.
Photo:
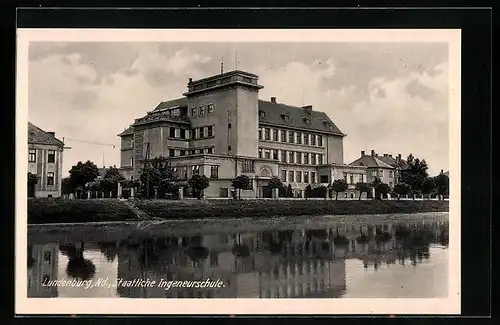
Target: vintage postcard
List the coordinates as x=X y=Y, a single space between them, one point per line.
x=238 y=171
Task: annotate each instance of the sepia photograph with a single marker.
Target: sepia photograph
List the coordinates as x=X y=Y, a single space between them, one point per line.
x=261 y=171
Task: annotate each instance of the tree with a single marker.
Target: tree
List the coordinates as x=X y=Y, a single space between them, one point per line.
x=381 y=190
x=339 y=185
x=67 y=186
x=308 y=191
x=275 y=182
x=415 y=174
x=402 y=189
x=242 y=182
x=81 y=174
x=442 y=182
x=362 y=187
x=198 y=183
x=158 y=175
x=32 y=181
x=428 y=185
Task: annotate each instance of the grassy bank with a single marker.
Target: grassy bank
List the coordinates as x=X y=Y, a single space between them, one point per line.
x=68 y=211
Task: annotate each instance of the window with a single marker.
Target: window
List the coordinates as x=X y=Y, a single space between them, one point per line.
x=306 y=158
x=290 y=176
x=131 y=162
x=320 y=159
x=210 y=150
x=202 y=133
x=260 y=153
x=193 y=111
x=323 y=178
x=313 y=139
x=50 y=178
x=171 y=132
x=202 y=110
x=210 y=108
x=374 y=173
x=171 y=152
x=290 y=137
x=47 y=257
x=283 y=135
x=290 y=157
x=313 y=177
x=299 y=138
x=262 y=114
x=210 y=132
x=275 y=135
x=351 y=178
x=183 y=152
x=184 y=172
x=267 y=134
x=299 y=157
x=306 y=177
x=186 y=134
x=195 y=170
x=313 y=159
x=391 y=175
x=260 y=133
x=299 y=177
x=32 y=155
x=306 y=139
x=360 y=178
x=267 y=154
x=381 y=173
x=214 y=172
x=275 y=154
x=283 y=175
x=248 y=166
x=320 y=140
x=51 y=157
x=177 y=152
x=177 y=133
x=283 y=155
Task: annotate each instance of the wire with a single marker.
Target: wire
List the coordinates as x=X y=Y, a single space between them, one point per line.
x=90 y=142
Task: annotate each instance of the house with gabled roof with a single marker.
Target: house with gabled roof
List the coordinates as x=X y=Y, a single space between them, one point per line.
x=222 y=129
x=45 y=158
x=385 y=167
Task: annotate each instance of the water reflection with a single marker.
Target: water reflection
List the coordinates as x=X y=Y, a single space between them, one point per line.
x=268 y=264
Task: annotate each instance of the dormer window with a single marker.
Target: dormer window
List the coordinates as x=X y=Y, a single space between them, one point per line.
x=307 y=120
x=262 y=114
x=286 y=117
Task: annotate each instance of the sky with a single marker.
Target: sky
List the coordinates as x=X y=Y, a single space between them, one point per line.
x=389 y=97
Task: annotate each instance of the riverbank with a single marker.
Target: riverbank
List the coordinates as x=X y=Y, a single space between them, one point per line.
x=43 y=211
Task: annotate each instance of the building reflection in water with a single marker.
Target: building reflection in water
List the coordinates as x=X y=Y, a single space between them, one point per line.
x=269 y=264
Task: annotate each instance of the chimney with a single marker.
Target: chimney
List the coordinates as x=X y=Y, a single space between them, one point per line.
x=390 y=156
x=362 y=153
x=52 y=133
x=273 y=100
x=386 y=155
x=190 y=80
x=442 y=171
x=398 y=158
x=373 y=152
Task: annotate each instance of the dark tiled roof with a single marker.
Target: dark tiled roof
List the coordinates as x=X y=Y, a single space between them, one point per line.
x=128 y=131
x=39 y=136
x=393 y=161
x=181 y=102
x=370 y=162
x=297 y=117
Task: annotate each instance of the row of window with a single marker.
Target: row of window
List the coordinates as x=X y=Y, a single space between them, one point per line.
x=202 y=132
x=292 y=157
x=184 y=152
x=200 y=111
x=292 y=176
x=353 y=178
x=51 y=156
x=304 y=138
x=182 y=172
x=380 y=173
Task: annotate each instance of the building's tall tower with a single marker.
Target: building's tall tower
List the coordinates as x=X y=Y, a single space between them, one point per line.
x=229 y=103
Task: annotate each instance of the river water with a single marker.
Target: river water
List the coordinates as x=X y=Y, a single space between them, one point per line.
x=397 y=259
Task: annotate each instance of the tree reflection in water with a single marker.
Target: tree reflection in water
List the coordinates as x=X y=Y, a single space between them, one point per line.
x=78 y=267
